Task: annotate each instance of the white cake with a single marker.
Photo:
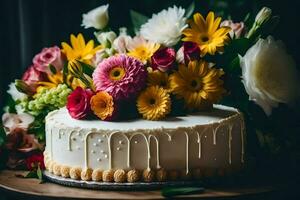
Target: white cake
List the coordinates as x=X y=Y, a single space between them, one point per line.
x=196 y=145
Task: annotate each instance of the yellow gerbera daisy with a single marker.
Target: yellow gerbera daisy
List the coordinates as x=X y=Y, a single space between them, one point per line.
x=154 y=103
x=79 y=50
x=198 y=84
x=207 y=33
x=158 y=78
x=141 y=49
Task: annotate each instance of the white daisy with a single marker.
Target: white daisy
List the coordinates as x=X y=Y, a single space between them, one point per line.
x=165 y=27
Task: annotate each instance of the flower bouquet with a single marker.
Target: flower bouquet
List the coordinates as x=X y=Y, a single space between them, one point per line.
x=177 y=62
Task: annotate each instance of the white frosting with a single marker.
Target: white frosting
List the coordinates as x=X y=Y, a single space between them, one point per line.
x=191 y=120
x=212 y=139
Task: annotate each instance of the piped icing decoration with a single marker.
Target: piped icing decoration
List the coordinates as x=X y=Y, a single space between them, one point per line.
x=200 y=141
x=230 y=127
x=187 y=152
x=157 y=149
x=242 y=138
x=86 y=149
x=147 y=144
x=109 y=148
x=69 y=139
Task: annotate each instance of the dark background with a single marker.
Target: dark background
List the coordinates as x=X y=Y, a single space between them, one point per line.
x=29 y=25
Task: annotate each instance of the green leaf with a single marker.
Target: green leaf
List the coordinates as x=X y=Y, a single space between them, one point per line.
x=52 y=69
x=238 y=46
x=39 y=173
x=234 y=66
x=38 y=127
x=65 y=73
x=10 y=105
x=175 y=191
x=31 y=174
x=190 y=10
x=137 y=20
x=2 y=135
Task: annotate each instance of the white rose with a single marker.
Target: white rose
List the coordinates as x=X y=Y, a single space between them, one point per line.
x=269 y=74
x=106 y=38
x=14 y=93
x=97 y=18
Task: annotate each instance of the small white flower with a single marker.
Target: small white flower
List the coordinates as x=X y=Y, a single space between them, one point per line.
x=120 y=44
x=165 y=27
x=14 y=93
x=13 y=121
x=269 y=74
x=106 y=38
x=180 y=56
x=97 y=18
x=237 y=29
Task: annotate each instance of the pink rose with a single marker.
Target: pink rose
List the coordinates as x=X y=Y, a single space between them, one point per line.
x=163 y=59
x=32 y=76
x=237 y=29
x=48 y=56
x=78 y=103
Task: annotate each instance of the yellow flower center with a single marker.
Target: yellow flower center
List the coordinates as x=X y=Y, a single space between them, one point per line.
x=117 y=73
x=204 y=38
x=142 y=52
x=195 y=84
x=152 y=101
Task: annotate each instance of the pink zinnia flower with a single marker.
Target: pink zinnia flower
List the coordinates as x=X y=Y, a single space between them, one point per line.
x=121 y=76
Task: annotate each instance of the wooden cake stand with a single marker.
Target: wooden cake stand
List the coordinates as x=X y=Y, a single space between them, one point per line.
x=21 y=188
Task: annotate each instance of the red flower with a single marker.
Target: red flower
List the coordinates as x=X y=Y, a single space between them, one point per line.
x=33 y=76
x=78 y=103
x=191 y=51
x=163 y=59
x=34 y=161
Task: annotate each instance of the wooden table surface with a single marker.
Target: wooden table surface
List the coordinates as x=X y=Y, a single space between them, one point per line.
x=31 y=189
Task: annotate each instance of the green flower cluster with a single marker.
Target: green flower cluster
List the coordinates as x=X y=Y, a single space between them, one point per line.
x=46 y=100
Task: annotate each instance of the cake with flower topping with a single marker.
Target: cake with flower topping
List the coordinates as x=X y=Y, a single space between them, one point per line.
x=144 y=114
x=148 y=107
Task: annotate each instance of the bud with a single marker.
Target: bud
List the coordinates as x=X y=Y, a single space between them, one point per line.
x=106 y=38
x=75 y=69
x=263 y=16
x=23 y=87
x=96 y=18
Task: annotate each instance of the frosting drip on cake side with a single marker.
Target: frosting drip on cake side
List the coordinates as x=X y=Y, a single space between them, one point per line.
x=152 y=141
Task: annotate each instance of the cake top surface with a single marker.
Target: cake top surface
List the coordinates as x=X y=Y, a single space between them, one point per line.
x=217 y=114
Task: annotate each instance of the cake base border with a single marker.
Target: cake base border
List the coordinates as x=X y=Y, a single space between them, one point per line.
x=113 y=186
